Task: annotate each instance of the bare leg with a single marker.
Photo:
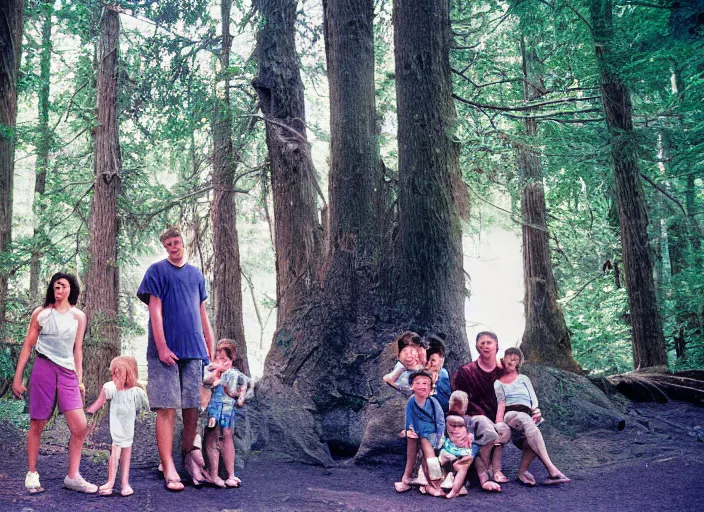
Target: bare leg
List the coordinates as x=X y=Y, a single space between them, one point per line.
x=227 y=447
x=411 y=453
x=78 y=426
x=125 y=460
x=165 y=421
x=534 y=439
x=433 y=486
x=213 y=454
x=461 y=467
x=36 y=427
x=526 y=460
x=482 y=469
x=496 y=457
x=193 y=460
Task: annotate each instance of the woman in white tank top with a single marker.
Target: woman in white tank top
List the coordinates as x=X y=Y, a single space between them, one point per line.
x=56 y=331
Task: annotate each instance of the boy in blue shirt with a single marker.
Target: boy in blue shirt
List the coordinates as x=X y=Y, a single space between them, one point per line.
x=425 y=424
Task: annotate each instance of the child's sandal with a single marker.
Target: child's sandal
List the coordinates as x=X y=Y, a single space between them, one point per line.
x=233 y=482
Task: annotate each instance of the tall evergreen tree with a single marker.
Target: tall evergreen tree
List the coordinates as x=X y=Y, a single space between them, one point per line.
x=546 y=338
x=430 y=288
x=102 y=279
x=648 y=340
x=227 y=276
x=43 y=144
x=297 y=233
x=11 y=15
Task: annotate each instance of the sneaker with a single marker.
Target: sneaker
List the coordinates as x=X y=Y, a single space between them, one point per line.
x=31 y=482
x=80 y=485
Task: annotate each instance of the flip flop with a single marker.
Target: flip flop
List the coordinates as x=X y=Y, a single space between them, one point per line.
x=233 y=482
x=105 y=492
x=491 y=490
x=168 y=482
x=554 y=480
x=500 y=478
x=401 y=487
x=530 y=482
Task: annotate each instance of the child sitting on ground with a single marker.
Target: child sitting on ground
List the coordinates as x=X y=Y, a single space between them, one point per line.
x=458 y=450
x=441 y=379
x=516 y=401
x=459 y=401
x=227 y=384
x=409 y=347
x=126 y=399
x=425 y=424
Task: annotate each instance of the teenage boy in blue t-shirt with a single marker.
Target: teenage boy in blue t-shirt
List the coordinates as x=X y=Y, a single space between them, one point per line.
x=179 y=340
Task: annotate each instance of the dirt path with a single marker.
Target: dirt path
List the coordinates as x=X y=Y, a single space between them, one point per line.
x=655 y=464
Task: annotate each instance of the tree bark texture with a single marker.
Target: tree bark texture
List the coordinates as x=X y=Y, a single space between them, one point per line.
x=11 y=14
x=297 y=232
x=43 y=148
x=546 y=339
x=227 y=276
x=648 y=340
x=430 y=286
x=102 y=280
x=325 y=372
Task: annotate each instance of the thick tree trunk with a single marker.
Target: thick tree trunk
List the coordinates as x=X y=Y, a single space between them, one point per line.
x=11 y=14
x=546 y=339
x=43 y=148
x=327 y=365
x=297 y=232
x=648 y=340
x=102 y=280
x=227 y=277
x=429 y=247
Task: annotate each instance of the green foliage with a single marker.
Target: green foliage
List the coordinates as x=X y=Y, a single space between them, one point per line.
x=12 y=411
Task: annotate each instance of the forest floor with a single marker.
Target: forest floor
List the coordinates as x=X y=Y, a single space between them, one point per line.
x=655 y=464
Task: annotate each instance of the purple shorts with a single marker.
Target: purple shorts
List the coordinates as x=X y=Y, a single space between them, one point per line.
x=49 y=384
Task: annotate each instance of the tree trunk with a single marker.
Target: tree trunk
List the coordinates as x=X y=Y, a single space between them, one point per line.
x=327 y=362
x=648 y=340
x=430 y=285
x=11 y=14
x=546 y=339
x=43 y=148
x=227 y=277
x=102 y=280
x=297 y=231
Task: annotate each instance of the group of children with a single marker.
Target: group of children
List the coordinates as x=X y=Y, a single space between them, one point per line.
x=440 y=445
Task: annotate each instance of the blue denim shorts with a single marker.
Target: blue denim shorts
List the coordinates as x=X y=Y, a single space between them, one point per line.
x=175 y=386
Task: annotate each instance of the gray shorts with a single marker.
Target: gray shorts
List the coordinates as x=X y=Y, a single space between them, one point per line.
x=174 y=386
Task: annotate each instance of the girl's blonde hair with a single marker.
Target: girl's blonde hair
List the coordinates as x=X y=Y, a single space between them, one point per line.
x=459 y=401
x=124 y=372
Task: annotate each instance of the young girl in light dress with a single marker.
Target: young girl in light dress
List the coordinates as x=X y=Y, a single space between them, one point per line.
x=126 y=399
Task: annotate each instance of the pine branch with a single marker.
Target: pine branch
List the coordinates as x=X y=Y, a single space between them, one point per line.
x=528 y=108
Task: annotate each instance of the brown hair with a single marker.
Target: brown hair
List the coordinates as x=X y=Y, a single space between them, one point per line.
x=124 y=370
x=407 y=338
x=170 y=232
x=228 y=346
x=516 y=352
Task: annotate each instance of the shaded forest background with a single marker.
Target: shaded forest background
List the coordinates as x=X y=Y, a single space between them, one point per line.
x=326 y=160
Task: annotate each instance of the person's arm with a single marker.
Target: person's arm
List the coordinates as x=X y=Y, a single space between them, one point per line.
x=156 y=318
x=501 y=401
x=30 y=340
x=98 y=404
x=410 y=420
x=78 y=349
x=439 y=421
x=391 y=377
x=207 y=332
x=536 y=414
